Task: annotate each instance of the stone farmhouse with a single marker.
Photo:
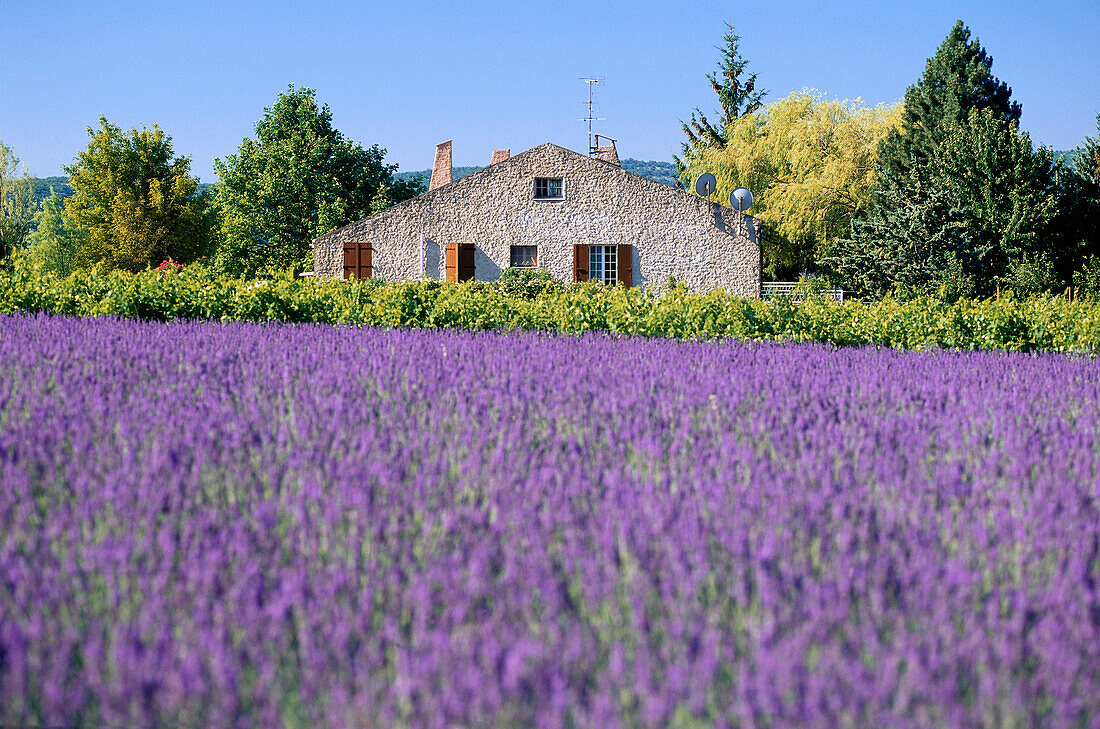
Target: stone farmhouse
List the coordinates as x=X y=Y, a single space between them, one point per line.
x=581 y=218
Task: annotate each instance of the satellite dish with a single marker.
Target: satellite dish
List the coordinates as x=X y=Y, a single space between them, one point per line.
x=705 y=185
x=740 y=199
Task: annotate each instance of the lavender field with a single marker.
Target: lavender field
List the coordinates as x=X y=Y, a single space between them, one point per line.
x=270 y=525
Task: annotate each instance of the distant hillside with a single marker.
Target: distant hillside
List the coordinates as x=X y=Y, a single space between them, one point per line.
x=662 y=172
x=458 y=173
x=42 y=187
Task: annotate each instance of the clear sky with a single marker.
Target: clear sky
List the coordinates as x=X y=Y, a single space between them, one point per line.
x=410 y=74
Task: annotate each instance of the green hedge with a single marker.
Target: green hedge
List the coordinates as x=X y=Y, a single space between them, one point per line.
x=1049 y=323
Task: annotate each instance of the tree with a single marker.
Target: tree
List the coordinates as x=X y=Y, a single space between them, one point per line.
x=133 y=203
x=916 y=237
x=1080 y=228
x=956 y=80
x=1011 y=197
x=959 y=157
x=737 y=95
x=17 y=202
x=810 y=162
x=50 y=248
x=299 y=179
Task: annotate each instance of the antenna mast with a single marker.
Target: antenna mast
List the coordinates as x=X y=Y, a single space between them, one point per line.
x=593 y=108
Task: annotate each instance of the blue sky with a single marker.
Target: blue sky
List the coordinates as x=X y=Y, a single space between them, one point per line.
x=496 y=74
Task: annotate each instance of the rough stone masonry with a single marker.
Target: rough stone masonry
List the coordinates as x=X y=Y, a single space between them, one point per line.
x=670 y=232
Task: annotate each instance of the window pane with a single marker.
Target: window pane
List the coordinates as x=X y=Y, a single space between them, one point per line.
x=548 y=187
x=524 y=255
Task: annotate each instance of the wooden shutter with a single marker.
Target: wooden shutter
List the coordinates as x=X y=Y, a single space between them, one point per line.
x=452 y=262
x=358 y=260
x=580 y=262
x=466 y=262
x=623 y=258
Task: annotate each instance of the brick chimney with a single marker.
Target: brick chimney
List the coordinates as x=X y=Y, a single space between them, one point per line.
x=607 y=153
x=441 y=170
x=499 y=155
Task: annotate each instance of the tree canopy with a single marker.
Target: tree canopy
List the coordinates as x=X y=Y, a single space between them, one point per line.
x=956 y=80
x=737 y=96
x=298 y=179
x=134 y=204
x=17 y=204
x=810 y=162
x=958 y=159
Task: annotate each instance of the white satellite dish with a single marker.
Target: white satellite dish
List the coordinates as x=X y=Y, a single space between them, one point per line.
x=705 y=185
x=741 y=199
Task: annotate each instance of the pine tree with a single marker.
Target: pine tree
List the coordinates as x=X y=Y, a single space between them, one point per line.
x=959 y=158
x=916 y=238
x=737 y=95
x=956 y=80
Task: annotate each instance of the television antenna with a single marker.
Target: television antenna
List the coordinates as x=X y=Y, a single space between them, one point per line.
x=593 y=108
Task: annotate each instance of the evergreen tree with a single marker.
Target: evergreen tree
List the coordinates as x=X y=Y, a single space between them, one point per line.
x=299 y=179
x=959 y=158
x=916 y=238
x=737 y=96
x=957 y=79
x=1081 y=220
x=1011 y=198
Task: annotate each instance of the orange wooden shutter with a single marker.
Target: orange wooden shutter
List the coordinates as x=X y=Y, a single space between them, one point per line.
x=623 y=257
x=580 y=262
x=452 y=262
x=351 y=258
x=466 y=262
x=358 y=260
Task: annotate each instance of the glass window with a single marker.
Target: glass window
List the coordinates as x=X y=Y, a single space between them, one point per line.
x=602 y=264
x=525 y=256
x=547 y=188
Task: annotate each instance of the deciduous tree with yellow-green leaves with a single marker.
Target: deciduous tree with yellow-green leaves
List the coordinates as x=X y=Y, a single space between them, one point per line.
x=134 y=203
x=16 y=202
x=810 y=163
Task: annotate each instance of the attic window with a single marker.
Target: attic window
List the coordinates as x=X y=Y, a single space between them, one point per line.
x=548 y=188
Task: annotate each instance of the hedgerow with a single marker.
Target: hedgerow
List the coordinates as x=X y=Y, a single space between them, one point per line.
x=1042 y=323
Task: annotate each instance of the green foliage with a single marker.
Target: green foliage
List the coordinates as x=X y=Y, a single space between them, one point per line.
x=1086 y=280
x=1087 y=157
x=914 y=238
x=17 y=203
x=299 y=179
x=133 y=203
x=964 y=205
x=956 y=80
x=526 y=282
x=1008 y=322
x=737 y=96
x=50 y=247
x=810 y=162
x=1009 y=191
x=1079 y=224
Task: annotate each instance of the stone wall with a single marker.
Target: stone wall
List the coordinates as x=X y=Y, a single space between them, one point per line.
x=673 y=233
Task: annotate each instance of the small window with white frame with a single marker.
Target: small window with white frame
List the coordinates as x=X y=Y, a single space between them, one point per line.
x=525 y=256
x=548 y=188
x=603 y=264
